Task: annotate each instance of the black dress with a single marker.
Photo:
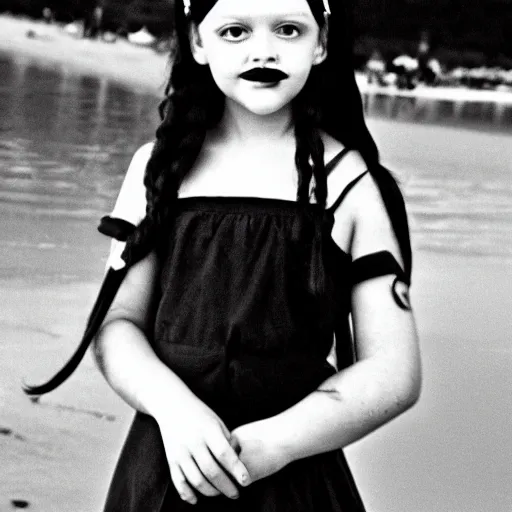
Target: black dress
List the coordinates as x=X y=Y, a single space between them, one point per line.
x=252 y=292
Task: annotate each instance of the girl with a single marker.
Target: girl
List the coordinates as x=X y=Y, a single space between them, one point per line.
x=258 y=220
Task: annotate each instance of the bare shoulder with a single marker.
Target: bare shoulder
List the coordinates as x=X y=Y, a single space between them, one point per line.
x=350 y=167
x=138 y=163
x=142 y=156
x=136 y=293
x=362 y=223
x=130 y=204
x=332 y=146
x=146 y=148
x=372 y=228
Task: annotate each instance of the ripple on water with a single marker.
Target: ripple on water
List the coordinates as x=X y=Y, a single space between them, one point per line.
x=467 y=216
x=67 y=141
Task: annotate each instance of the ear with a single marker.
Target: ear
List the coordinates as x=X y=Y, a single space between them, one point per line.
x=321 y=50
x=196 y=45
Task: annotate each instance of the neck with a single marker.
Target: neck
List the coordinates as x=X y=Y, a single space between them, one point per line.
x=240 y=125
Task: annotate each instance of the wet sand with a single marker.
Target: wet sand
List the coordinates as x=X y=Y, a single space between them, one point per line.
x=451 y=449
x=450 y=453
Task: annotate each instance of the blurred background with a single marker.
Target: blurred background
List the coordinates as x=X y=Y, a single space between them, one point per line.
x=460 y=33
x=79 y=87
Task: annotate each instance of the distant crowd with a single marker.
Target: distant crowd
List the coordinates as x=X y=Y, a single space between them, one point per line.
x=407 y=72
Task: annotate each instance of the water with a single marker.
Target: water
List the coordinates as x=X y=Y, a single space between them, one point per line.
x=470 y=114
x=66 y=139
x=65 y=143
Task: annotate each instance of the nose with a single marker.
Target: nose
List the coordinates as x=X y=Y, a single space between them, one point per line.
x=263 y=50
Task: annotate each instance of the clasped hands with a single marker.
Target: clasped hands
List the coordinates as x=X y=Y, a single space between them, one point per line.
x=202 y=452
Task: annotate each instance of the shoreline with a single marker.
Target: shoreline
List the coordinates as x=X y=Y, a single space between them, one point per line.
x=59 y=453
x=41 y=442
x=137 y=67
x=145 y=70
x=455 y=94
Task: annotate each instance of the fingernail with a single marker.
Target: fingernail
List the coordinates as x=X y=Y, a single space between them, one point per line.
x=245 y=479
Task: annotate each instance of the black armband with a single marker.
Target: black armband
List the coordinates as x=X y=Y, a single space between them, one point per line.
x=379 y=264
x=119 y=229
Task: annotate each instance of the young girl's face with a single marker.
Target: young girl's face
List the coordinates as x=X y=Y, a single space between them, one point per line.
x=237 y=36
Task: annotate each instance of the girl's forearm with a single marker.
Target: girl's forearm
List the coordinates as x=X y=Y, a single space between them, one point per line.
x=133 y=370
x=345 y=408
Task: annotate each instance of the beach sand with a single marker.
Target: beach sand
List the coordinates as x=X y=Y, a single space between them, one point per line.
x=139 y=67
x=452 y=448
x=451 y=452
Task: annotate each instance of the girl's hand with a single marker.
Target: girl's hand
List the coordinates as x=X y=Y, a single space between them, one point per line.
x=199 y=453
x=260 y=451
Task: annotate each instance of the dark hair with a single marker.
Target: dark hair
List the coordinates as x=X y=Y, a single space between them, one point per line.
x=192 y=105
x=330 y=101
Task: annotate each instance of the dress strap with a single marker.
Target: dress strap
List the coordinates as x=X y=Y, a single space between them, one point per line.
x=329 y=166
x=345 y=191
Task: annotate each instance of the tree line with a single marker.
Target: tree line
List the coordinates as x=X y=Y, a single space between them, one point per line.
x=118 y=15
x=477 y=30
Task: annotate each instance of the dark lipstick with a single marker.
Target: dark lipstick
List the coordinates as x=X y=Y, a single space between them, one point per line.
x=265 y=75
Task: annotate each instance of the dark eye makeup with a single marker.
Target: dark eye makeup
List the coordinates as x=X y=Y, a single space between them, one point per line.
x=239 y=32
x=233 y=33
x=289 y=30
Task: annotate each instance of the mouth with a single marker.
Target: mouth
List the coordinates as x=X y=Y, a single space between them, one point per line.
x=264 y=75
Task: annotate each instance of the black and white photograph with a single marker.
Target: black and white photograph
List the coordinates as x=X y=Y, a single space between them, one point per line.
x=256 y=255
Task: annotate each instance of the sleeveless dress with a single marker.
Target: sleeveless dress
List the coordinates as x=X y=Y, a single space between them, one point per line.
x=252 y=292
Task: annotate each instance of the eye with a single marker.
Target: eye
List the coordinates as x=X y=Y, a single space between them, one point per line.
x=234 y=33
x=288 y=31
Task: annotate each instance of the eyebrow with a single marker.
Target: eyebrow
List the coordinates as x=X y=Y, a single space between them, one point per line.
x=279 y=15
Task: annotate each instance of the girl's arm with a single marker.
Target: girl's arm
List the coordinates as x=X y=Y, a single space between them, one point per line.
x=121 y=348
x=383 y=383
x=196 y=441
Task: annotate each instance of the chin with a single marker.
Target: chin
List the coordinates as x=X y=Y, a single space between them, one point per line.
x=264 y=107
x=264 y=110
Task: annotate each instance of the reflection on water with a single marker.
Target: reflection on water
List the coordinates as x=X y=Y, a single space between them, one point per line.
x=470 y=114
x=461 y=216
x=65 y=143
x=66 y=140
x=459 y=192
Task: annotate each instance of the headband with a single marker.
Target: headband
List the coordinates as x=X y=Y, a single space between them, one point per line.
x=202 y=8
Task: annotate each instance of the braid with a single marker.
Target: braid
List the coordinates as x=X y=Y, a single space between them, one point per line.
x=329 y=101
x=309 y=160
x=193 y=103
x=309 y=153
x=302 y=154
